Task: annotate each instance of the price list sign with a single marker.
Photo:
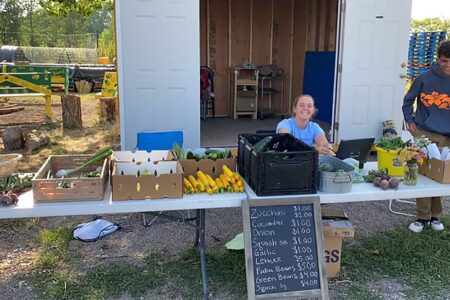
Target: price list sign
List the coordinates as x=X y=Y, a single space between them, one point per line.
x=284 y=248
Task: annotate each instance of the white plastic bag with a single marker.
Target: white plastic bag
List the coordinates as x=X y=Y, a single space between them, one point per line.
x=92 y=231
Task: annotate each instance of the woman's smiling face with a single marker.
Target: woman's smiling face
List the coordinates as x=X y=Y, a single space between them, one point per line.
x=304 y=110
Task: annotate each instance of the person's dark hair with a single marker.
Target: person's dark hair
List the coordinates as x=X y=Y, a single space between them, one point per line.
x=444 y=49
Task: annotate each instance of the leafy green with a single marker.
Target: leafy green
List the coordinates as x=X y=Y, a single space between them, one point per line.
x=375 y=173
x=390 y=143
x=178 y=151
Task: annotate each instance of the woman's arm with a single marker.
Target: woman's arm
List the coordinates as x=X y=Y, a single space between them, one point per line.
x=282 y=130
x=323 y=146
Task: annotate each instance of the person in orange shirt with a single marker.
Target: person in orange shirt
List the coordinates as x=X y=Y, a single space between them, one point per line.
x=431 y=119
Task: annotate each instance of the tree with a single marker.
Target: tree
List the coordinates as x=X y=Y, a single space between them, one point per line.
x=106 y=45
x=83 y=7
x=99 y=20
x=10 y=17
x=430 y=24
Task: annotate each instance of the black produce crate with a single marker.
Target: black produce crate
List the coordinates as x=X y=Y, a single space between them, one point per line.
x=291 y=169
x=245 y=147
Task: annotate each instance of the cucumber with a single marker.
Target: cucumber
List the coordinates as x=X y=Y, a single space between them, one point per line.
x=212 y=156
x=190 y=155
x=211 y=151
x=263 y=144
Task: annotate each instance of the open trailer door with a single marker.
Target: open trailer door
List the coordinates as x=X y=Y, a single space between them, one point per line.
x=158 y=61
x=372 y=66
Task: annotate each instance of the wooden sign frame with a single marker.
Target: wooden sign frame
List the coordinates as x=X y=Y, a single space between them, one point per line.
x=321 y=293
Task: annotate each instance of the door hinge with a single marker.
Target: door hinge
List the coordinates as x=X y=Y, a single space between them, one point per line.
x=343 y=6
x=339 y=68
x=336 y=126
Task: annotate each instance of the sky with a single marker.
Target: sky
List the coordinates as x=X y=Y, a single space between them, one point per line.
x=422 y=9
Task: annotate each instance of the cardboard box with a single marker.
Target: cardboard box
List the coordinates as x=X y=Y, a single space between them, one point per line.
x=208 y=166
x=336 y=226
x=436 y=169
x=146 y=180
x=143 y=156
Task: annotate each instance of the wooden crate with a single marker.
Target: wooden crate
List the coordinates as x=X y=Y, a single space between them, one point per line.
x=47 y=188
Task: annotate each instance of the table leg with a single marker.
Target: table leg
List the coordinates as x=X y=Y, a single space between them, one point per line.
x=201 y=233
x=197 y=228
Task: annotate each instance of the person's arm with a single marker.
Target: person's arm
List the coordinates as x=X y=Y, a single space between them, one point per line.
x=323 y=146
x=284 y=127
x=321 y=141
x=408 y=105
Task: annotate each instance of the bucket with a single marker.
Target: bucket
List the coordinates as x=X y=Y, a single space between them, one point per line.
x=388 y=159
x=339 y=181
x=103 y=60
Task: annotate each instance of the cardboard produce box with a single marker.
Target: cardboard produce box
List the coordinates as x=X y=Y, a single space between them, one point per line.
x=143 y=156
x=436 y=169
x=146 y=180
x=208 y=166
x=336 y=226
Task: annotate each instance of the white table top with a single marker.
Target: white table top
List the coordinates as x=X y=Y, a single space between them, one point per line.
x=27 y=208
x=368 y=192
x=360 y=192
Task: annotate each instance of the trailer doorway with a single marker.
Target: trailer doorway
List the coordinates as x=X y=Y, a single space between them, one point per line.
x=298 y=36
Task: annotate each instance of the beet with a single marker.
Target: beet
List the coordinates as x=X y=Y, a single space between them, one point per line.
x=384 y=184
x=394 y=183
x=6 y=200
x=14 y=198
x=376 y=181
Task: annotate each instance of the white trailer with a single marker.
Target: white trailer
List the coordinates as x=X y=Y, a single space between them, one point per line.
x=158 y=57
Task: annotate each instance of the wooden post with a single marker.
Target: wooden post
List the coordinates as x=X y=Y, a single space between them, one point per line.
x=12 y=138
x=108 y=108
x=71 y=112
x=48 y=107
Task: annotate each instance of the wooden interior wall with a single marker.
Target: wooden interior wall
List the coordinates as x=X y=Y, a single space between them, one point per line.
x=264 y=32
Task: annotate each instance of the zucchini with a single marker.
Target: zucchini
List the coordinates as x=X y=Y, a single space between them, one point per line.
x=212 y=156
x=262 y=145
x=211 y=151
x=190 y=155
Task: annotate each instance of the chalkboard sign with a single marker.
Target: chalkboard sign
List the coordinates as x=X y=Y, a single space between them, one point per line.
x=284 y=248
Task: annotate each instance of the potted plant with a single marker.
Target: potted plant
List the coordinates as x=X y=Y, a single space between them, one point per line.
x=387 y=155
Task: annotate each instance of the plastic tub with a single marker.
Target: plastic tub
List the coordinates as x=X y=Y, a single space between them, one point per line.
x=388 y=159
x=339 y=181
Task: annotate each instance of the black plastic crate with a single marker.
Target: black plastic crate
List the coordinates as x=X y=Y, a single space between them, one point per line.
x=245 y=147
x=291 y=169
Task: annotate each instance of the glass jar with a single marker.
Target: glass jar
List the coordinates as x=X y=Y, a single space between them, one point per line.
x=411 y=173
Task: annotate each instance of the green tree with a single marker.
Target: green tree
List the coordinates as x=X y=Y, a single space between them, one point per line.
x=430 y=24
x=107 y=41
x=83 y=7
x=10 y=19
x=99 y=20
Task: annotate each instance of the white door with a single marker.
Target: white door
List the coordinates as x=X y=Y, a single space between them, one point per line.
x=373 y=54
x=158 y=59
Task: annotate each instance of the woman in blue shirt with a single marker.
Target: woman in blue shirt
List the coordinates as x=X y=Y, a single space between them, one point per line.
x=301 y=126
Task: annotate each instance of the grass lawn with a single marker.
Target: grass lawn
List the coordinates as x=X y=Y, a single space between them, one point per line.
x=419 y=262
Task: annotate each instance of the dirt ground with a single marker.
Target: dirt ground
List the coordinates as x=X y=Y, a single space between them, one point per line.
x=88 y=140
x=17 y=237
